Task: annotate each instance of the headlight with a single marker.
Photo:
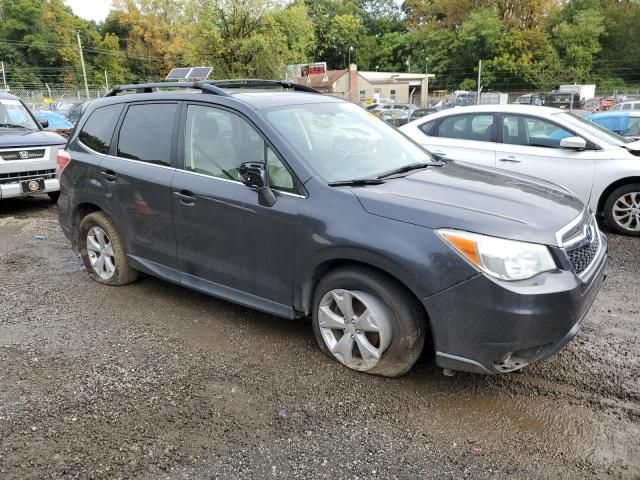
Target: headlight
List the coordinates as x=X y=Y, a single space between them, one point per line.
x=500 y=258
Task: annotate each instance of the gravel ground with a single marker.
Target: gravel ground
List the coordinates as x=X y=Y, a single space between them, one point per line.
x=155 y=381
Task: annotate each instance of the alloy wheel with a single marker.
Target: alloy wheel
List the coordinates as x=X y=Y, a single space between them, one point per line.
x=355 y=326
x=100 y=252
x=626 y=211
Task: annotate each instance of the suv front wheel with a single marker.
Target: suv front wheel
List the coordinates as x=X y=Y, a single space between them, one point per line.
x=103 y=251
x=368 y=322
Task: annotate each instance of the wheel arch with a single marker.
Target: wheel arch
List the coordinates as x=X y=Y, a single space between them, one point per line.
x=79 y=212
x=615 y=185
x=320 y=270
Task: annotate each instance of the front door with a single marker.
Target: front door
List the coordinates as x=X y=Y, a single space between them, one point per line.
x=531 y=146
x=228 y=244
x=138 y=177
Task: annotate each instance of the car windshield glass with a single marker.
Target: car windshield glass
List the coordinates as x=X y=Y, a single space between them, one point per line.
x=341 y=141
x=14 y=114
x=592 y=129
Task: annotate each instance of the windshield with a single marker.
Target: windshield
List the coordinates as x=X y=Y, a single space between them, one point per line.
x=592 y=129
x=342 y=141
x=14 y=114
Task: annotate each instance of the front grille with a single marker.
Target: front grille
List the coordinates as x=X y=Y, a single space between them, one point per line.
x=20 y=176
x=7 y=155
x=583 y=255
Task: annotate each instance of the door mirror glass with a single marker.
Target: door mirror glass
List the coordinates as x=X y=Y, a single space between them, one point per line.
x=253 y=174
x=574 y=143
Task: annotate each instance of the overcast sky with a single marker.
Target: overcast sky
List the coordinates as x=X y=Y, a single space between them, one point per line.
x=90 y=9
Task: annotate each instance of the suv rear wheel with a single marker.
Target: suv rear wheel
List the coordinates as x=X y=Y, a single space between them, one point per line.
x=368 y=322
x=103 y=251
x=622 y=210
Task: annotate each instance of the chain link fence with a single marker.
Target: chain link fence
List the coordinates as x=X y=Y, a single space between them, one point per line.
x=48 y=98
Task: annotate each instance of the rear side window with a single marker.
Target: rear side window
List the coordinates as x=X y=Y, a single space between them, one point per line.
x=97 y=131
x=146 y=133
x=468 y=127
x=427 y=127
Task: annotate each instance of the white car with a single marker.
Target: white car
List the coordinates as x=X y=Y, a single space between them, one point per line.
x=600 y=167
x=631 y=105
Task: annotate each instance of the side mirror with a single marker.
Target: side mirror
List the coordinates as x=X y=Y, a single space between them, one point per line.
x=574 y=143
x=44 y=123
x=254 y=174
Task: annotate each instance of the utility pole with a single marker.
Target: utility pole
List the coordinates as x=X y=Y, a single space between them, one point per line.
x=4 y=77
x=106 y=80
x=350 y=50
x=479 y=81
x=84 y=71
x=409 y=64
x=426 y=82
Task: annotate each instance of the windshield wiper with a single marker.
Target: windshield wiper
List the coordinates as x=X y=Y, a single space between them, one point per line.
x=357 y=181
x=13 y=125
x=406 y=168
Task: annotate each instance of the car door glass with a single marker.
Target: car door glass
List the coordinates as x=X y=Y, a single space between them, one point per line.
x=97 y=131
x=468 y=127
x=532 y=132
x=218 y=141
x=427 y=127
x=146 y=133
x=626 y=106
x=633 y=129
x=279 y=176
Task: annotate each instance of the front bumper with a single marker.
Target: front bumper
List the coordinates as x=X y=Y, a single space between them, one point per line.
x=488 y=326
x=11 y=190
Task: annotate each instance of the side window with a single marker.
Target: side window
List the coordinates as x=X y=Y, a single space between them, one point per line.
x=636 y=106
x=633 y=129
x=217 y=142
x=279 y=176
x=626 y=106
x=146 y=133
x=97 y=131
x=427 y=127
x=532 y=132
x=468 y=127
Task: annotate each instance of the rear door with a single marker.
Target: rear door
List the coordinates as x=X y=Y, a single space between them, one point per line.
x=531 y=145
x=228 y=244
x=467 y=138
x=138 y=174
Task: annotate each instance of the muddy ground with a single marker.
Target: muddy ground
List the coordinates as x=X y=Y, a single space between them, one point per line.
x=155 y=381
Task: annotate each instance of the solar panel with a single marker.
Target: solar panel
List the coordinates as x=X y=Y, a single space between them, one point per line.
x=200 y=73
x=178 y=73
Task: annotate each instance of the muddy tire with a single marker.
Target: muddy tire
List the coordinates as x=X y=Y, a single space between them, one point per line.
x=103 y=252
x=368 y=321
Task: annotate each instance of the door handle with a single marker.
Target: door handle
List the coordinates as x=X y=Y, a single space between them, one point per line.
x=510 y=160
x=185 y=197
x=109 y=176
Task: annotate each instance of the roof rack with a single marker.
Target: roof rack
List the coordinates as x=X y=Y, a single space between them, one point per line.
x=259 y=83
x=206 y=87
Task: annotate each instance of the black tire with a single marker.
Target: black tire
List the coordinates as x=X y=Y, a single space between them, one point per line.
x=123 y=273
x=54 y=196
x=608 y=209
x=407 y=316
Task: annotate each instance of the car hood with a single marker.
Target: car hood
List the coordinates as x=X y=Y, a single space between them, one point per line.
x=475 y=199
x=28 y=138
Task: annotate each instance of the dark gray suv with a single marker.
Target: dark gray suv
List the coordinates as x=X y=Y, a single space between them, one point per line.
x=303 y=205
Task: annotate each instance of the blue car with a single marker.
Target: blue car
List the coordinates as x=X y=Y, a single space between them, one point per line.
x=625 y=123
x=56 y=121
